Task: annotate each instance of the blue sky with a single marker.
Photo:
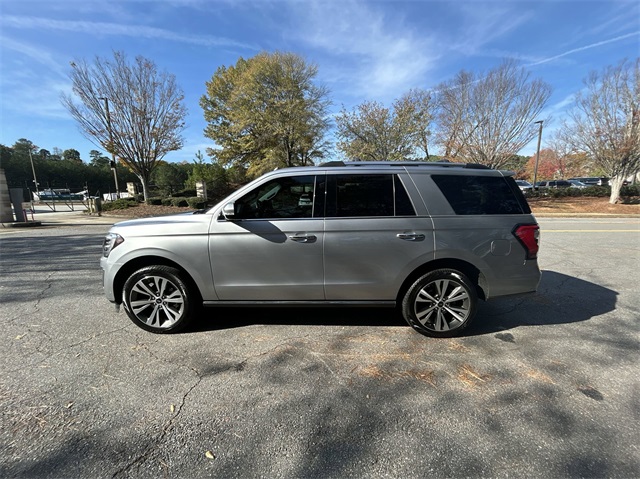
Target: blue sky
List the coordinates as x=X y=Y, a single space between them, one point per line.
x=364 y=50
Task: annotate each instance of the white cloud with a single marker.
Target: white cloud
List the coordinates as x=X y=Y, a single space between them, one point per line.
x=37 y=98
x=32 y=81
x=36 y=54
x=586 y=47
x=480 y=24
x=378 y=57
x=114 y=29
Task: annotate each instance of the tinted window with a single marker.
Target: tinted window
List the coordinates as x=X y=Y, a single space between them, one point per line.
x=367 y=195
x=290 y=197
x=404 y=207
x=478 y=195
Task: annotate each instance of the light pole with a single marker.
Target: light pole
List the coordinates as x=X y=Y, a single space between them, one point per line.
x=35 y=181
x=535 y=170
x=113 y=156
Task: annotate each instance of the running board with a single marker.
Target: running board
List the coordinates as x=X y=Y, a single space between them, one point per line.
x=299 y=304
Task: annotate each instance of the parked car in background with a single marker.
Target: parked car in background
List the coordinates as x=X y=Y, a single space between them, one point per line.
x=577 y=184
x=554 y=184
x=524 y=186
x=592 y=180
x=428 y=238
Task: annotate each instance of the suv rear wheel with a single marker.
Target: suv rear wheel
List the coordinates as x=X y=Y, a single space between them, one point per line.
x=441 y=303
x=156 y=299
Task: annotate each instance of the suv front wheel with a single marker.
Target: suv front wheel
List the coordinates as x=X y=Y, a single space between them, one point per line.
x=156 y=299
x=441 y=303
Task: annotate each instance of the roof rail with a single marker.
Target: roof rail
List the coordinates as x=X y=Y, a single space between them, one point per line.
x=443 y=164
x=332 y=163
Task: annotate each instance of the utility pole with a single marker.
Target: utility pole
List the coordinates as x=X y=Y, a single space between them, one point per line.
x=535 y=170
x=35 y=181
x=113 y=156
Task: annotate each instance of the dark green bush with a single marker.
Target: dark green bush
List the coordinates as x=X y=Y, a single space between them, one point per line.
x=179 y=202
x=184 y=194
x=591 y=191
x=597 y=191
x=167 y=201
x=567 y=192
x=156 y=200
x=119 y=204
x=196 y=203
x=630 y=190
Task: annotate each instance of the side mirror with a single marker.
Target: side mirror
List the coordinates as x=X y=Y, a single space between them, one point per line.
x=229 y=211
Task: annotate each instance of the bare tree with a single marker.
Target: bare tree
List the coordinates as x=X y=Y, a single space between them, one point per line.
x=605 y=122
x=418 y=106
x=374 y=132
x=488 y=119
x=146 y=117
x=453 y=103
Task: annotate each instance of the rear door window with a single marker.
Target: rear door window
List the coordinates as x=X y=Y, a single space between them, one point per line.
x=367 y=195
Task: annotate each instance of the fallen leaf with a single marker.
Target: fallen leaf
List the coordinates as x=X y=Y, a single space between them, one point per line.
x=172 y=408
x=209 y=455
x=69 y=404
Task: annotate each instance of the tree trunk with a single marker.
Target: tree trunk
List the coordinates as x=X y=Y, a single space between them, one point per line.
x=145 y=187
x=616 y=184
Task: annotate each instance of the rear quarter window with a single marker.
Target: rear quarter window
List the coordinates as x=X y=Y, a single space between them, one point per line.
x=481 y=195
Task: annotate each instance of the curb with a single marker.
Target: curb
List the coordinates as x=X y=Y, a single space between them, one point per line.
x=586 y=215
x=27 y=224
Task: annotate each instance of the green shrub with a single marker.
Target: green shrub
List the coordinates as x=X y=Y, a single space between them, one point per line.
x=597 y=191
x=196 y=203
x=119 y=204
x=179 y=202
x=167 y=201
x=184 y=193
x=156 y=200
x=589 y=191
x=630 y=190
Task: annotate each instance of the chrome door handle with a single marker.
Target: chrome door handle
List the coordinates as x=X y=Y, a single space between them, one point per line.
x=411 y=236
x=303 y=238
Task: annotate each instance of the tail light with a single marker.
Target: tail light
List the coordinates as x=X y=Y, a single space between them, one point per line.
x=529 y=237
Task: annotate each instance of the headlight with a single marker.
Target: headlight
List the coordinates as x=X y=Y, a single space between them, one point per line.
x=110 y=241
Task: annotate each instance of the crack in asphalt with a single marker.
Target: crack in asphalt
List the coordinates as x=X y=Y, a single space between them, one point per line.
x=39 y=298
x=165 y=430
x=60 y=351
x=236 y=366
x=42 y=293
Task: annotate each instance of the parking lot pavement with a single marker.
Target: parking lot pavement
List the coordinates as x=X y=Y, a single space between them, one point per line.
x=541 y=386
x=65 y=216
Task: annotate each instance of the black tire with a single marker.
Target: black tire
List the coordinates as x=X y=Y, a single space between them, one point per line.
x=441 y=303
x=157 y=299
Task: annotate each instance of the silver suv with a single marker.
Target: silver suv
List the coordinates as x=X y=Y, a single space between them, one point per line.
x=430 y=238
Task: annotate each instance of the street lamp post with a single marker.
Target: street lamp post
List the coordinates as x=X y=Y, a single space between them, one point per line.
x=35 y=181
x=113 y=156
x=535 y=171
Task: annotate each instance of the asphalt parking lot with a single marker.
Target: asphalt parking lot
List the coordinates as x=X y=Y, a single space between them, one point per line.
x=544 y=386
